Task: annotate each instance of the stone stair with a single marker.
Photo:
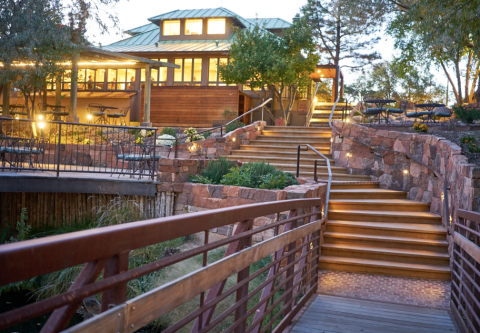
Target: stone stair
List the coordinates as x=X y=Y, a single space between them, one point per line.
x=322 y=113
x=372 y=230
x=279 y=146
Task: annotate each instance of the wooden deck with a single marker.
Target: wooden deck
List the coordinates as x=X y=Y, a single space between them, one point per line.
x=330 y=314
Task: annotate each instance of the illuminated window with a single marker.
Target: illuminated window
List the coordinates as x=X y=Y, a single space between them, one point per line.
x=214 y=78
x=190 y=73
x=216 y=26
x=157 y=76
x=121 y=79
x=171 y=28
x=193 y=27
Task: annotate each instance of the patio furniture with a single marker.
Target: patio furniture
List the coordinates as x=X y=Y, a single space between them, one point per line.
x=18 y=110
x=429 y=113
x=443 y=112
x=44 y=112
x=57 y=112
x=99 y=111
x=116 y=116
x=20 y=150
x=120 y=149
x=380 y=108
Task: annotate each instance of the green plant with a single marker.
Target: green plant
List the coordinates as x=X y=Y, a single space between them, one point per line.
x=466 y=116
x=192 y=135
x=206 y=135
x=473 y=148
x=87 y=142
x=227 y=112
x=468 y=139
x=139 y=140
x=168 y=131
x=214 y=171
x=420 y=128
x=233 y=126
x=199 y=179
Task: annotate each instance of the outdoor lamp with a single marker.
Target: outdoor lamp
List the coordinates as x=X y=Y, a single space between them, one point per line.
x=348 y=120
x=234 y=139
x=331 y=140
x=40 y=117
x=443 y=196
x=89 y=117
x=192 y=147
x=405 y=172
x=348 y=154
x=17 y=117
x=41 y=125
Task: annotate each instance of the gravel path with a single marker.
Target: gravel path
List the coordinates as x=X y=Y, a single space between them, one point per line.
x=456 y=137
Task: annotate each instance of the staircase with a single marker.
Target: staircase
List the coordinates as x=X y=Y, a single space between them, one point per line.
x=372 y=230
x=322 y=112
x=279 y=146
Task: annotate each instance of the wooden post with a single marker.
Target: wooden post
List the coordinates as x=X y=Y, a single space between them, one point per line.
x=6 y=100
x=73 y=91
x=58 y=94
x=335 y=84
x=148 y=85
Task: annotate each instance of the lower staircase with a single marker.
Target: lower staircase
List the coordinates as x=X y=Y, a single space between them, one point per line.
x=279 y=146
x=372 y=230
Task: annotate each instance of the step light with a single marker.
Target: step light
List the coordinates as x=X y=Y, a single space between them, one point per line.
x=234 y=139
x=192 y=147
x=41 y=125
x=349 y=155
x=405 y=171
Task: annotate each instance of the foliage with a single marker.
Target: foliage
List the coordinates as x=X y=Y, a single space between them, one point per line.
x=258 y=175
x=169 y=131
x=192 y=135
x=466 y=116
x=165 y=140
x=471 y=143
x=214 y=171
x=263 y=60
x=139 y=140
x=233 y=126
x=346 y=30
x=420 y=128
x=228 y=113
x=468 y=139
x=473 y=148
x=207 y=134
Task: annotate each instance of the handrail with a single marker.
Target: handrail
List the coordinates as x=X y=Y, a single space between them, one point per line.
x=437 y=173
x=310 y=113
x=315 y=173
x=243 y=115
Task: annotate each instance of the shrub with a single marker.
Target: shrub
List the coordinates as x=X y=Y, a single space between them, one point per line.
x=420 y=128
x=206 y=135
x=214 y=171
x=468 y=139
x=168 y=131
x=192 y=135
x=473 y=148
x=466 y=116
x=233 y=126
x=166 y=140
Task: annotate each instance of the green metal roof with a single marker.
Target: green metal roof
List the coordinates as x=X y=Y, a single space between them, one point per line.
x=270 y=23
x=194 y=13
x=142 y=29
x=200 y=45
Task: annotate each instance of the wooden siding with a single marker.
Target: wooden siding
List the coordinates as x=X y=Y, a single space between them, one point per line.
x=190 y=106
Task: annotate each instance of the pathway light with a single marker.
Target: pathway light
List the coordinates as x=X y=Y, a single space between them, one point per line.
x=41 y=125
x=348 y=154
x=234 y=139
x=405 y=171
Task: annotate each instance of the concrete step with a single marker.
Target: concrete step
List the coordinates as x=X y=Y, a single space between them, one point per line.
x=385 y=216
x=291 y=154
x=296 y=139
x=409 y=230
x=374 y=193
x=280 y=148
x=398 y=205
x=335 y=176
x=297 y=129
x=274 y=159
x=434 y=245
x=308 y=168
x=291 y=143
x=386 y=254
x=355 y=186
x=385 y=267
x=307 y=134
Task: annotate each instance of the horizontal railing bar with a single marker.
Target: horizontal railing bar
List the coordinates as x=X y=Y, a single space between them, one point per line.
x=468 y=289
x=26 y=259
x=226 y=293
x=78 y=124
x=469 y=308
x=256 y=306
x=161 y=300
x=468 y=229
x=468 y=215
x=465 y=260
x=468 y=246
x=42 y=307
x=227 y=312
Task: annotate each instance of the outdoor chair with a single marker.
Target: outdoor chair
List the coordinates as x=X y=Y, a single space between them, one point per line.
x=368 y=112
x=443 y=112
x=119 y=115
x=95 y=110
x=120 y=150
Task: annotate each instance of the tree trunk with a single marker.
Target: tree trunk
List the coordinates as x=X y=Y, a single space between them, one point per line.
x=477 y=94
x=474 y=83
x=337 y=46
x=6 y=100
x=450 y=79
x=467 y=77
x=459 y=80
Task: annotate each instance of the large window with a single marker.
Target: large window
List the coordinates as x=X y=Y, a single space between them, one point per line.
x=171 y=28
x=213 y=74
x=121 y=79
x=216 y=26
x=157 y=76
x=193 y=27
x=88 y=79
x=189 y=73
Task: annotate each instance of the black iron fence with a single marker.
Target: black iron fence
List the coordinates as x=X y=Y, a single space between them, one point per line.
x=72 y=147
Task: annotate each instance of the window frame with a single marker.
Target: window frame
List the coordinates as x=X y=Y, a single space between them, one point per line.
x=157 y=82
x=218 y=82
x=190 y=82
x=172 y=21
x=217 y=19
x=190 y=34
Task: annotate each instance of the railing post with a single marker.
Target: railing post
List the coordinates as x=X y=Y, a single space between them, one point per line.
x=58 y=148
x=118 y=294
x=298 y=162
x=154 y=153
x=315 y=178
x=221 y=131
x=290 y=271
x=242 y=293
x=176 y=148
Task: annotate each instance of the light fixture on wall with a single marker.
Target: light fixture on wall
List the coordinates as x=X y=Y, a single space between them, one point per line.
x=331 y=140
x=405 y=171
x=41 y=125
x=89 y=117
x=192 y=148
x=349 y=154
x=234 y=139
x=348 y=120
x=443 y=196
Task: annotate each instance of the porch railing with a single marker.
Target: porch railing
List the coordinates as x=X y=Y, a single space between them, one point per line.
x=36 y=145
x=465 y=301
x=290 y=273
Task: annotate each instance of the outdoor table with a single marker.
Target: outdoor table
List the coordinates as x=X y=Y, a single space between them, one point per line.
x=380 y=108
x=56 y=111
x=102 y=109
x=19 y=149
x=429 y=113
x=18 y=110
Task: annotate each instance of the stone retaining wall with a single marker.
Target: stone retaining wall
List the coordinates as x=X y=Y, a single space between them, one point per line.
x=419 y=182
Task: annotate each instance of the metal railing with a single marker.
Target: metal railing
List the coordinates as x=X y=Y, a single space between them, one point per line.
x=379 y=148
x=465 y=296
x=289 y=276
x=315 y=178
x=310 y=111
x=37 y=145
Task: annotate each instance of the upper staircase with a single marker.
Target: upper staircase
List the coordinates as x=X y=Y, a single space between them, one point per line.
x=322 y=111
x=279 y=147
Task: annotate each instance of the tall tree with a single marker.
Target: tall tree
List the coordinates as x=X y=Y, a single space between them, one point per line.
x=264 y=60
x=346 y=30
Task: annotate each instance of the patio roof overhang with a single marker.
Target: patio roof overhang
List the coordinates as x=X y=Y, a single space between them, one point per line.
x=326 y=72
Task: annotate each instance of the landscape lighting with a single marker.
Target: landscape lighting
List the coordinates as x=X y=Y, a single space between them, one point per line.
x=89 y=117
x=192 y=147
x=40 y=117
x=405 y=172
x=41 y=125
x=234 y=139
x=443 y=196
x=348 y=154
x=17 y=117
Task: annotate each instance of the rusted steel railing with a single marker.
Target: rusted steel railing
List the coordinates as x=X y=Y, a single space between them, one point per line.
x=39 y=145
x=291 y=280
x=465 y=300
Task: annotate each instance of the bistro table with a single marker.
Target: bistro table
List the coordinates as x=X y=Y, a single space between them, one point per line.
x=102 y=110
x=381 y=108
x=56 y=112
x=429 y=113
x=18 y=110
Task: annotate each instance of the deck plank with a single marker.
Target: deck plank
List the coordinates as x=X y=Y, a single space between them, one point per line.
x=330 y=314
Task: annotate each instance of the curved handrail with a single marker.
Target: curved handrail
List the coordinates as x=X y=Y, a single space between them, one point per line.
x=241 y=116
x=329 y=183
x=310 y=112
x=435 y=171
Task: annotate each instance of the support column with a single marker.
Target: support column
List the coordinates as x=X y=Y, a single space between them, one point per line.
x=341 y=86
x=335 y=84
x=73 y=118
x=146 y=100
x=6 y=100
x=58 y=95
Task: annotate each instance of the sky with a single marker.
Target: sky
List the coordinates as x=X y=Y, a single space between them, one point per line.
x=134 y=13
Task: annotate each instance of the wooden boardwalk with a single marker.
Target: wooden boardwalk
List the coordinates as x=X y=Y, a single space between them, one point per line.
x=330 y=314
